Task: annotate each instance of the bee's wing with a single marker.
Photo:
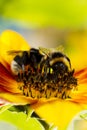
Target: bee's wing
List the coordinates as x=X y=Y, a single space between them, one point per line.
x=44 y=51
x=47 y=51
x=60 y=48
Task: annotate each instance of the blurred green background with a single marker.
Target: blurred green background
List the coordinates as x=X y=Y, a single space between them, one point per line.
x=49 y=24
x=58 y=13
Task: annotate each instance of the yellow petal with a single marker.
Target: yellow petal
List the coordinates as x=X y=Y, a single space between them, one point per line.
x=58 y=112
x=11 y=40
x=17 y=99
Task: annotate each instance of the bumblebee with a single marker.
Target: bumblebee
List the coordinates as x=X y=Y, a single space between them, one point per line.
x=44 y=73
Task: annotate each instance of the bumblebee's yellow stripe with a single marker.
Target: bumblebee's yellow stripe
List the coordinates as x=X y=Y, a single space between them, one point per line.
x=62 y=59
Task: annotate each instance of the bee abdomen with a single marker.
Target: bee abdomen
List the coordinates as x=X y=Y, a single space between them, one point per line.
x=15 y=67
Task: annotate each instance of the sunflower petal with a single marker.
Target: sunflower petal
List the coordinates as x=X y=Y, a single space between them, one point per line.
x=80 y=96
x=11 y=40
x=59 y=112
x=81 y=75
x=7 y=82
x=17 y=99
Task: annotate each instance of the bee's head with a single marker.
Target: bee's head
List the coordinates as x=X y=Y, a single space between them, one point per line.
x=57 y=62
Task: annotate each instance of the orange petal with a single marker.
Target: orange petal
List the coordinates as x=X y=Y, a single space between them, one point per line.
x=81 y=75
x=11 y=40
x=7 y=82
x=80 y=96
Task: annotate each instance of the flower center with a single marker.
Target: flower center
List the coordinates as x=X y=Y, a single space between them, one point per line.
x=46 y=84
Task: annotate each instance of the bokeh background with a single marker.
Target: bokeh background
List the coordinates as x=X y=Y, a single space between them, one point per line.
x=49 y=24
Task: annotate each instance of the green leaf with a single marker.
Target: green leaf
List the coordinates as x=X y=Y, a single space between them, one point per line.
x=22 y=108
x=4 y=108
x=52 y=127
x=20 y=120
x=31 y=115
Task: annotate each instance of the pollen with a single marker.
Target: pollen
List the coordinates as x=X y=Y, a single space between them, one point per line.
x=36 y=84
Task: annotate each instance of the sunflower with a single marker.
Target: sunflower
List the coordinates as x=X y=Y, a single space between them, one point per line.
x=58 y=111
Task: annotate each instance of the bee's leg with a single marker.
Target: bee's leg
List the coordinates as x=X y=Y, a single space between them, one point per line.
x=22 y=73
x=20 y=76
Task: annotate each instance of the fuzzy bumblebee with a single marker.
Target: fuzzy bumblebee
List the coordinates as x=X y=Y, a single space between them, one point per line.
x=43 y=73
